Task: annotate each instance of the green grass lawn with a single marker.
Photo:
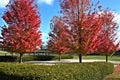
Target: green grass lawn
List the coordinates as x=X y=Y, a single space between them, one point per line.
x=99 y=57
x=4 y=53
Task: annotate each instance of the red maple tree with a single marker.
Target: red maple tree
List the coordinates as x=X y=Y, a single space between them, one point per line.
x=56 y=41
x=22 y=33
x=108 y=44
x=82 y=19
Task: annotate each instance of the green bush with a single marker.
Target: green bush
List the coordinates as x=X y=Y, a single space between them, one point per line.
x=84 y=71
x=34 y=57
x=46 y=57
x=8 y=58
x=37 y=58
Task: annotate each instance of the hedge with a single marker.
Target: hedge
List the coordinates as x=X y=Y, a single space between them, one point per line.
x=34 y=57
x=37 y=58
x=45 y=57
x=74 y=71
x=8 y=58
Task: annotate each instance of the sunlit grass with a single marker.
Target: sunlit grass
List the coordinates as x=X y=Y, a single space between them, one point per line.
x=3 y=52
x=99 y=57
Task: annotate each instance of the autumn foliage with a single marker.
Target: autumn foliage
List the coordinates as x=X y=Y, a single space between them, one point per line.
x=109 y=31
x=57 y=42
x=21 y=34
x=88 y=28
x=107 y=37
x=84 y=24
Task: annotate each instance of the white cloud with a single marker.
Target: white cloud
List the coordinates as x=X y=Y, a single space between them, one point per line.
x=44 y=34
x=118 y=37
x=3 y=3
x=49 y=2
x=45 y=37
x=117 y=17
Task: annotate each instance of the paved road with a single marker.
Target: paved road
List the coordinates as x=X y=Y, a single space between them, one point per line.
x=68 y=61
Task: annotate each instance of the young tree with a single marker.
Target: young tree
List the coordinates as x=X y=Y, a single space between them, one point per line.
x=57 y=43
x=83 y=23
x=108 y=44
x=22 y=33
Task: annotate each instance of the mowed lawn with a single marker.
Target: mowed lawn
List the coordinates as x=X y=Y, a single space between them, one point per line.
x=4 y=53
x=99 y=57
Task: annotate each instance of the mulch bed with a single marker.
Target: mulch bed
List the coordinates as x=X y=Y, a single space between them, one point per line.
x=116 y=72
x=117 y=68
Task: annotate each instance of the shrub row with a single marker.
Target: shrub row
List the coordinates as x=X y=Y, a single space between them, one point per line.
x=84 y=71
x=46 y=57
x=8 y=58
x=37 y=58
x=34 y=57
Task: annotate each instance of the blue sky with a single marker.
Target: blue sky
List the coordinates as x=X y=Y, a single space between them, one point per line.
x=50 y=8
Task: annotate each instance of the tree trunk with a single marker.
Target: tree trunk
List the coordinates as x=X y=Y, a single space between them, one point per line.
x=80 y=58
x=59 y=57
x=12 y=54
x=20 y=58
x=106 y=58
